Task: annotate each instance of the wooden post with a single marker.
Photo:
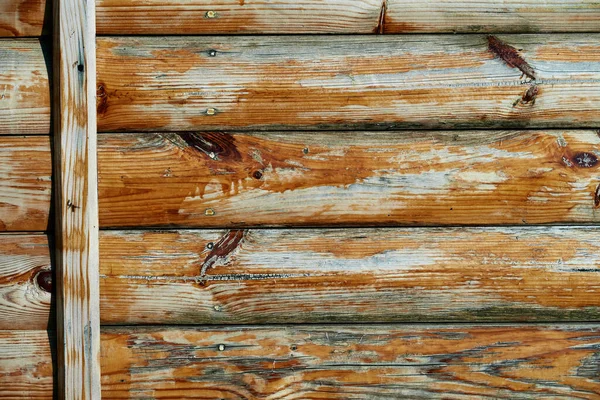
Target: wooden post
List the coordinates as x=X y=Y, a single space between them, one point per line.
x=76 y=204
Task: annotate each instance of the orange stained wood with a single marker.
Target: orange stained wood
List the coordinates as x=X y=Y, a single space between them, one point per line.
x=26 y=282
x=376 y=361
x=25 y=17
x=25 y=183
x=350 y=275
x=26 y=364
x=126 y=17
x=24 y=87
x=418 y=361
x=324 y=82
x=217 y=179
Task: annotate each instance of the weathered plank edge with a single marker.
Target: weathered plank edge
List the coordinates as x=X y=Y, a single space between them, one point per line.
x=75 y=171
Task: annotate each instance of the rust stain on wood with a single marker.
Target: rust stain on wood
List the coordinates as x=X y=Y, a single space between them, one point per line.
x=216 y=145
x=102 y=99
x=510 y=56
x=223 y=249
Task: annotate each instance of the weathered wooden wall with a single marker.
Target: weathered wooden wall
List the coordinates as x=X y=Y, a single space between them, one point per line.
x=349 y=178
x=307 y=361
x=125 y=17
x=374 y=82
x=259 y=185
x=320 y=275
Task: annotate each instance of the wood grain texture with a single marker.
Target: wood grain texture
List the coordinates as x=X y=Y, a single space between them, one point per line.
x=350 y=275
x=341 y=362
x=25 y=183
x=75 y=172
x=26 y=368
x=24 y=88
x=290 y=362
x=516 y=16
x=25 y=282
x=140 y=17
x=168 y=17
x=24 y=17
x=348 y=178
x=374 y=82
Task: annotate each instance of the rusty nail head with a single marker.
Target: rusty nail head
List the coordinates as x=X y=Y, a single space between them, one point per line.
x=221 y=347
x=211 y=14
x=211 y=111
x=210 y=245
x=209 y=211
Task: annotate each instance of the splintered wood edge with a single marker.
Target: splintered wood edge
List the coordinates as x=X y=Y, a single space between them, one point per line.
x=75 y=171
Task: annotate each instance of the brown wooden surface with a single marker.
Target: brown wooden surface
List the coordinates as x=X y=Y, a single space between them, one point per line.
x=350 y=275
x=119 y=17
x=24 y=17
x=24 y=87
x=26 y=364
x=492 y=16
x=312 y=82
x=76 y=201
x=25 y=282
x=25 y=183
x=360 y=362
x=348 y=178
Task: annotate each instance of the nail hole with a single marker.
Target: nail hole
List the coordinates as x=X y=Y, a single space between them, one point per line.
x=305 y=151
x=293 y=347
x=257 y=174
x=80 y=67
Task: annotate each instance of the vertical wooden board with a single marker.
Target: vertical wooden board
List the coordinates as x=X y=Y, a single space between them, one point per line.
x=24 y=87
x=24 y=17
x=26 y=365
x=25 y=183
x=516 y=16
x=25 y=282
x=76 y=201
x=172 y=17
x=360 y=362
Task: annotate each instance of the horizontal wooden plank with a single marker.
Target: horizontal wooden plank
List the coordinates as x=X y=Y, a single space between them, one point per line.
x=25 y=183
x=516 y=16
x=25 y=282
x=140 y=17
x=348 y=178
x=342 y=362
x=367 y=275
x=24 y=17
x=325 y=82
x=350 y=275
x=417 y=362
x=120 y=17
x=26 y=364
x=24 y=87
